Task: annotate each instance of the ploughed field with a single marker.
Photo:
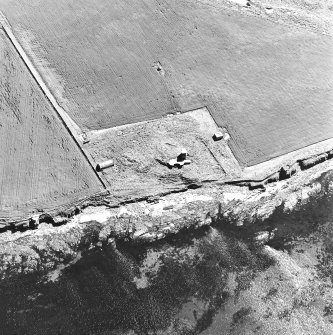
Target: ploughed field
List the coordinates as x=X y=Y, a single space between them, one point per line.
x=41 y=167
x=111 y=63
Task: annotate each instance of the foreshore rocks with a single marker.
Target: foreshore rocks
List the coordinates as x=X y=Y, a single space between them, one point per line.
x=48 y=245
x=284 y=172
x=312 y=161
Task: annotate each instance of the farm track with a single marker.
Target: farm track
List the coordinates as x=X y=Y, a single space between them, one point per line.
x=42 y=85
x=42 y=168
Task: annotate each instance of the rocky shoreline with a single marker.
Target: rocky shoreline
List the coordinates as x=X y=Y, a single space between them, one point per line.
x=47 y=246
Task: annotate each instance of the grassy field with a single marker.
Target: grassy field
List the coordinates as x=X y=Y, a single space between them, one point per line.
x=111 y=63
x=141 y=153
x=41 y=167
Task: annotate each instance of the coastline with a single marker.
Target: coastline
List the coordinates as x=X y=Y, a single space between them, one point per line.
x=47 y=246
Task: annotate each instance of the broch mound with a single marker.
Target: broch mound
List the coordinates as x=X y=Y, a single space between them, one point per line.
x=133 y=83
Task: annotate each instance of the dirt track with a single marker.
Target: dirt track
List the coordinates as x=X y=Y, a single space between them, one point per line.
x=41 y=167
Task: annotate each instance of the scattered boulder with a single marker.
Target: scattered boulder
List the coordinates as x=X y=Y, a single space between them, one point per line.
x=35 y=220
x=256 y=185
x=138 y=233
x=221 y=134
x=288 y=171
x=172 y=162
x=47 y=218
x=274 y=177
x=218 y=136
x=330 y=154
x=112 y=241
x=312 y=161
x=60 y=220
x=3 y=227
x=148 y=237
x=269 y=9
x=263 y=237
x=159 y=68
x=180 y=161
x=153 y=200
x=104 y=165
x=182 y=156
